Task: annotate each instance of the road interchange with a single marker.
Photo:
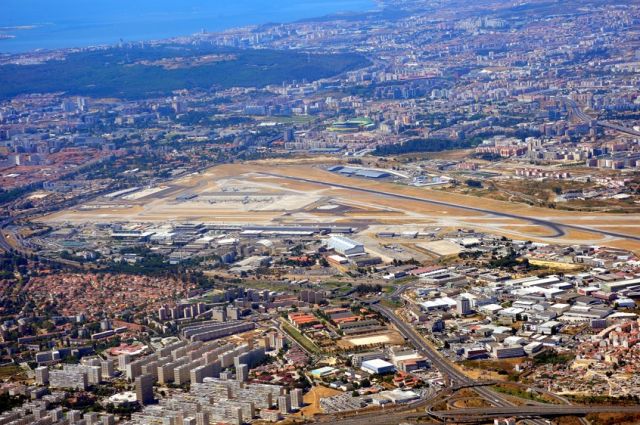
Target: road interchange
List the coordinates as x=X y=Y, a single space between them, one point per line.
x=501 y=405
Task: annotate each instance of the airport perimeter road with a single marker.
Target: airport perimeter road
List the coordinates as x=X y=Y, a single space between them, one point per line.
x=558 y=228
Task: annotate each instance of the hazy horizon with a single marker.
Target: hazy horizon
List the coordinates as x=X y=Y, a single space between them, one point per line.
x=32 y=24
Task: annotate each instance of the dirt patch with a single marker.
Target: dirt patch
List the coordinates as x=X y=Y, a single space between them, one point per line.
x=390 y=337
x=614 y=419
x=312 y=400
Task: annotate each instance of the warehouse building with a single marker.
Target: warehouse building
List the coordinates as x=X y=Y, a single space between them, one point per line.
x=377 y=367
x=345 y=246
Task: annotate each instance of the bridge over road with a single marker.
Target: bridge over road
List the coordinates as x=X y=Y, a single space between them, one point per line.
x=477 y=415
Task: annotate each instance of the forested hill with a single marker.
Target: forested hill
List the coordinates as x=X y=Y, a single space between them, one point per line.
x=147 y=71
x=424 y=145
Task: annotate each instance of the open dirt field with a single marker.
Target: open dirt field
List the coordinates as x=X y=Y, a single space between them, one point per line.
x=285 y=193
x=312 y=400
x=383 y=338
x=443 y=248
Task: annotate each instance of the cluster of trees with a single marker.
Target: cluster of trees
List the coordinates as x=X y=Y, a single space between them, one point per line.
x=410 y=261
x=8 y=402
x=509 y=261
x=7 y=196
x=424 y=145
x=10 y=263
x=553 y=357
x=470 y=255
x=125 y=409
x=366 y=289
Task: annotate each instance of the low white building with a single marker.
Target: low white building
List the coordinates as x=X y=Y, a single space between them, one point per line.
x=345 y=246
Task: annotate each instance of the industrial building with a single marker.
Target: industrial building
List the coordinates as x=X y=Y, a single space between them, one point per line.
x=377 y=367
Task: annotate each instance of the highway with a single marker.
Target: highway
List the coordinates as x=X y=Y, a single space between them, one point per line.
x=619 y=128
x=531 y=414
x=453 y=374
x=4 y=245
x=578 y=113
x=559 y=229
x=482 y=414
x=501 y=406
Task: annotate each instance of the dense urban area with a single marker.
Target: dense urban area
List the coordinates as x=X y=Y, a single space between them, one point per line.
x=424 y=213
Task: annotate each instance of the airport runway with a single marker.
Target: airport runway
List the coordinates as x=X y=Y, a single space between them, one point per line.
x=559 y=229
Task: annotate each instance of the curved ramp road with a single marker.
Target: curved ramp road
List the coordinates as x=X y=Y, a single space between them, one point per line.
x=482 y=414
x=456 y=378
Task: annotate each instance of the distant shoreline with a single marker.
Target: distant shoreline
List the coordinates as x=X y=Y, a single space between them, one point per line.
x=27 y=46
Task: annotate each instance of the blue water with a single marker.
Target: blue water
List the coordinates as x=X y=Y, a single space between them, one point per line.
x=51 y=24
